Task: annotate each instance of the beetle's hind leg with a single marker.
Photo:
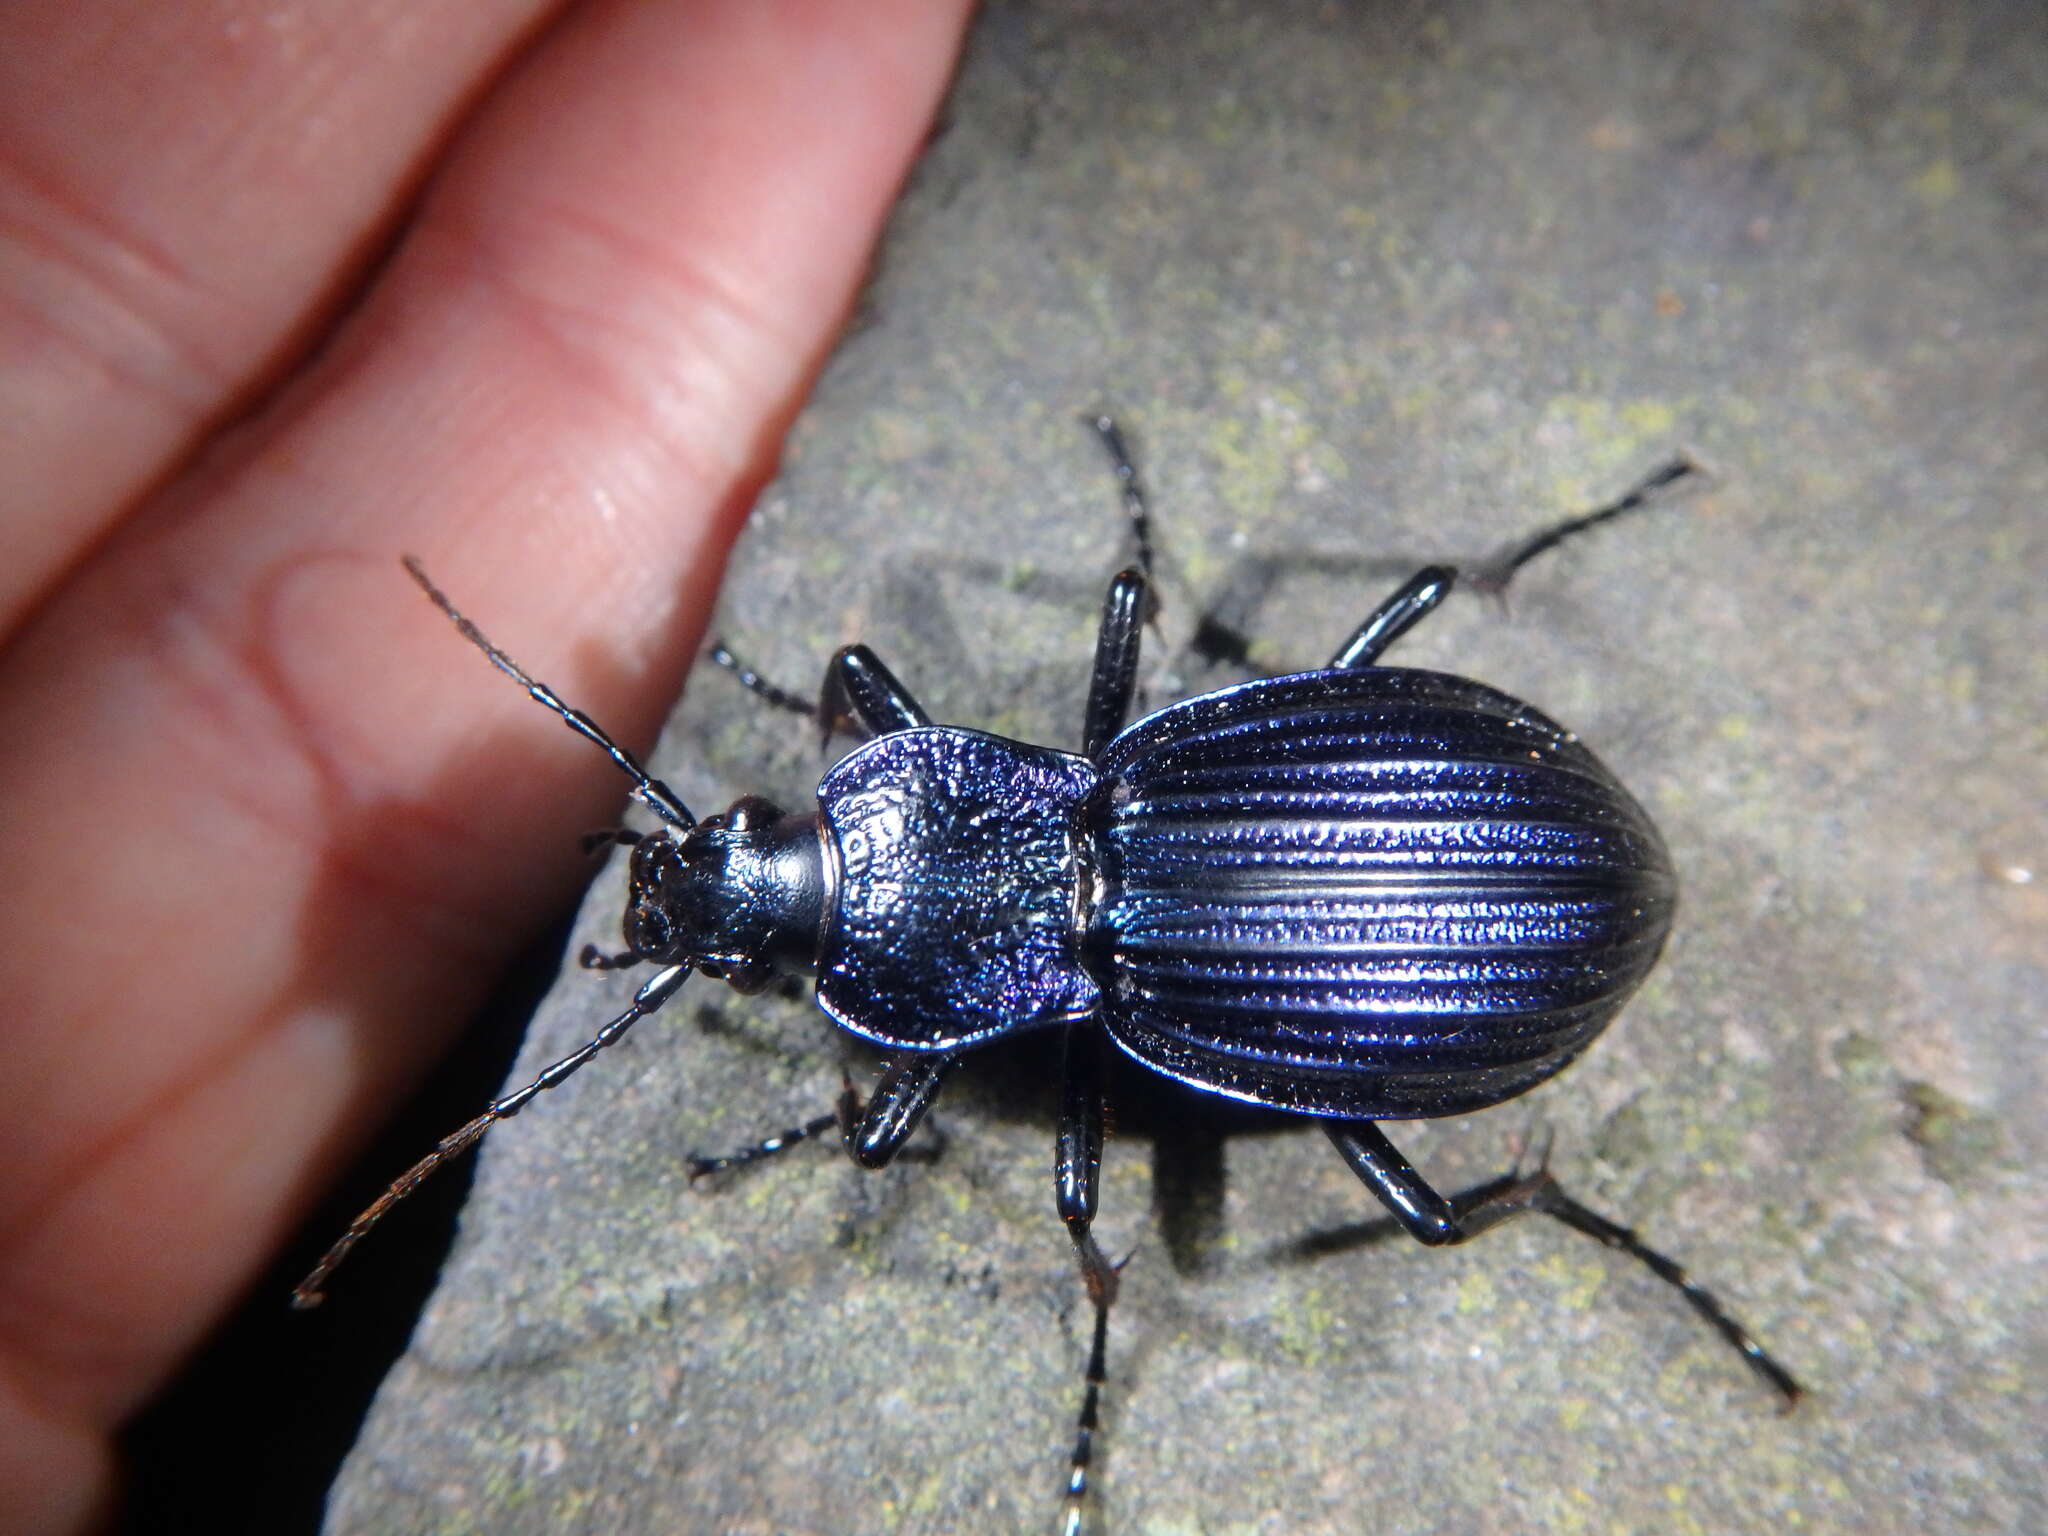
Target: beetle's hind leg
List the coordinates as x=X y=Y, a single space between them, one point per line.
x=1077 y=1167
x=1395 y=617
x=1429 y=1218
x=1494 y=574
x=1114 y=677
x=1431 y=585
x=1133 y=489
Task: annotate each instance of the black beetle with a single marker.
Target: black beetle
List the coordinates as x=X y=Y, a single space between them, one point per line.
x=1361 y=893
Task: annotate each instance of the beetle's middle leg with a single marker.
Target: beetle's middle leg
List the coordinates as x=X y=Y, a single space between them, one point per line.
x=1429 y=1218
x=700 y=1165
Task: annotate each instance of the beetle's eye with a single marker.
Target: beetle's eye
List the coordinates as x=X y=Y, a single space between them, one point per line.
x=652 y=931
x=750 y=813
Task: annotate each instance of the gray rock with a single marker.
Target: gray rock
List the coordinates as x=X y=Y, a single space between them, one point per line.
x=1375 y=283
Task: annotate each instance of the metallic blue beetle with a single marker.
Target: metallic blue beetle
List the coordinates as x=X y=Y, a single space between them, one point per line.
x=1363 y=893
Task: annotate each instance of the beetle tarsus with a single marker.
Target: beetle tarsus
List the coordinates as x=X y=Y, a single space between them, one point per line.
x=760 y=687
x=1493 y=575
x=1074 y=1504
x=1135 y=507
x=699 y=1166
x=1552 y=1201
x=1431 y=1219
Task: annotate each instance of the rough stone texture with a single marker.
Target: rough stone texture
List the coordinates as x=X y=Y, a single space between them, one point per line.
x=1373 y=283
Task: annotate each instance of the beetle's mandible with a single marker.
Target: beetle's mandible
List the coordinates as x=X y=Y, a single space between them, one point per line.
x=1361 y=893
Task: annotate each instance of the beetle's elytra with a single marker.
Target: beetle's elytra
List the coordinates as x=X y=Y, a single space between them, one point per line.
x=1361 y=893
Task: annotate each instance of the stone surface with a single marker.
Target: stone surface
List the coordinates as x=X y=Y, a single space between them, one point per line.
x=1370 y=284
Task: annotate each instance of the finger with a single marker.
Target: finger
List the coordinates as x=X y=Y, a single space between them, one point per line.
x=183 y=190
x=312 y=821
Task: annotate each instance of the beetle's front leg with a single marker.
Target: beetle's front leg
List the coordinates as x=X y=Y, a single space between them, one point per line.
x=772 y=694
x=1430 y=1218
x=876 y=1132
x=859 y=693
x=702 y=1165
x=859 y=687
x=1076 y=1173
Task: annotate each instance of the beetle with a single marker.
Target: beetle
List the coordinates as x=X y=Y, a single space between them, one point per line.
x=1357 y=894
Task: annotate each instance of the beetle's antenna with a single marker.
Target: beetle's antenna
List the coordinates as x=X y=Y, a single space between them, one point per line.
x=647 y=789
x=652 y=994
x=1496 y=573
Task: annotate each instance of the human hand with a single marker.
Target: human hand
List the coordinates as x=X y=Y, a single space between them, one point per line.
x=530 y=291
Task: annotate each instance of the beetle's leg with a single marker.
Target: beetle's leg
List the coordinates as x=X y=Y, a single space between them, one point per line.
x=1077 y=1166
x=859 y=688
x=700 y=1166
x=610 y=837
x=760 y=687
x=1430 y=1218
x=591 y=958
x=1133 y=489
x=832 y=711
x=860 y=696
x=1115 y=674
x=831 y=716
x=1395 y=617
x=876 y=1133
x=1430 y=586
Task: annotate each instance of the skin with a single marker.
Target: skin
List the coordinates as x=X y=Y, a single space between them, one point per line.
x=530 y=291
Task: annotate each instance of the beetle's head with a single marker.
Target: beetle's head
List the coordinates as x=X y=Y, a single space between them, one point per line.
x=736 y=896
